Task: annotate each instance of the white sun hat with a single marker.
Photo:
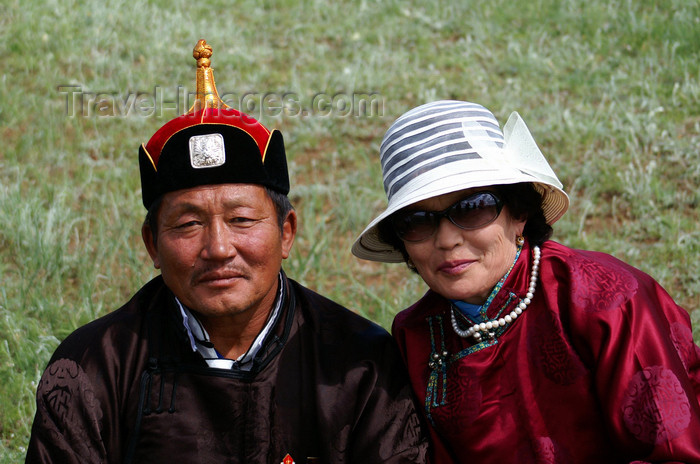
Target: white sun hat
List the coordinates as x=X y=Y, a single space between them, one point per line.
x=447 y=146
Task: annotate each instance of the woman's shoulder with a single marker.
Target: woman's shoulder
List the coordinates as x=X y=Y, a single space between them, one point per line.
x=596 y=277
x=430 y=304
x=560 y=256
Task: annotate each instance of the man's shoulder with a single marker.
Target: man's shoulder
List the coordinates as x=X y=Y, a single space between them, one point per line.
x=343 y=338
x=116 y=329
x=330 y=317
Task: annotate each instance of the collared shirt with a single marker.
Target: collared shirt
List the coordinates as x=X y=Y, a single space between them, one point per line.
x=201 y=343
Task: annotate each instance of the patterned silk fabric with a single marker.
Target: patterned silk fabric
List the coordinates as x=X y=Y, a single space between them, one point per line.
x=600 y=368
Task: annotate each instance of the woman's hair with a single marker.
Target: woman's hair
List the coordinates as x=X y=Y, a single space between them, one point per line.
x=521 y=201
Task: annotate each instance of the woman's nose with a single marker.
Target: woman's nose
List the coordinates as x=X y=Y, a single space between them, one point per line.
x=447 y=235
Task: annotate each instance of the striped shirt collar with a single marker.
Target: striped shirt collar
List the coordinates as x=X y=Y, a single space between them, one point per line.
x=201 y=343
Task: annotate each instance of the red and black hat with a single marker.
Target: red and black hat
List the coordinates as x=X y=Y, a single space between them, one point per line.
x=211 y=144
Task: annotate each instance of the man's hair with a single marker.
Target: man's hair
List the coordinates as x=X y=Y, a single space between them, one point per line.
x=282 y=207
x=521 y=201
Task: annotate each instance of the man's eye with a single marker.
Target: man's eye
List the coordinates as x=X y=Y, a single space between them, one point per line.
x=187 y=224
x=241 y=220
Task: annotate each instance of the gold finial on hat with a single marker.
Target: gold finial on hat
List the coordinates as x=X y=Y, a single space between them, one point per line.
x=207 y=96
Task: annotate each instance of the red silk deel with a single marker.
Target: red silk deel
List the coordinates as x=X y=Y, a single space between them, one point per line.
x=600 y=368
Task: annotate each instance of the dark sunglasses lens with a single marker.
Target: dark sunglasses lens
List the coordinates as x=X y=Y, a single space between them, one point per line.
x=475 y=211
x=413 y=226
x=472 y=212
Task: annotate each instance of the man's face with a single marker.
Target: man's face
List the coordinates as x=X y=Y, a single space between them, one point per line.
x=220 y=248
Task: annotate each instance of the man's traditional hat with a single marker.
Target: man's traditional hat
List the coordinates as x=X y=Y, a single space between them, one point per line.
x=211 y=144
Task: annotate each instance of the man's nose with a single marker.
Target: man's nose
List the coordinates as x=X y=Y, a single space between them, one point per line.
x=220 y=242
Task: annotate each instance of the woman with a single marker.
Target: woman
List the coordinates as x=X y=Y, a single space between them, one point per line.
x=523 y=350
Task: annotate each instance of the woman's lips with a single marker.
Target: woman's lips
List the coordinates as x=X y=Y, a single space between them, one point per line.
x=454 y=267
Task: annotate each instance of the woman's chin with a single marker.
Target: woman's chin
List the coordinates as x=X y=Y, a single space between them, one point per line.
x=460 y=292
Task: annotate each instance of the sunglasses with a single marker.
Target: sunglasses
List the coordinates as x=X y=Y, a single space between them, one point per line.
x=472 y=212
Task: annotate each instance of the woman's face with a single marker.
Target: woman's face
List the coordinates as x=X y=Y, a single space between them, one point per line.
x=464 y=264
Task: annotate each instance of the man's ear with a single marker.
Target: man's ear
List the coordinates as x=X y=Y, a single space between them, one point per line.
x=149 y=241
x=289 y=231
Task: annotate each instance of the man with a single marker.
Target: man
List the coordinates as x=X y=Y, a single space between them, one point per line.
x=222 y=358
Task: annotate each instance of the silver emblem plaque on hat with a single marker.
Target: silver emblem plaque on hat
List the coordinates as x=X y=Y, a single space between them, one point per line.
x=207 y=151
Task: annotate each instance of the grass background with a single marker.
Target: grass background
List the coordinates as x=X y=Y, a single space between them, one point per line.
x=609 y=89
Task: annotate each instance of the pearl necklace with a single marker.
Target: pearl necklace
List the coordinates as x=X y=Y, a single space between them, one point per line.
x=477 y=330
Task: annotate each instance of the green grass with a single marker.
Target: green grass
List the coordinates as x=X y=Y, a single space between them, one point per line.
x=609 y=89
